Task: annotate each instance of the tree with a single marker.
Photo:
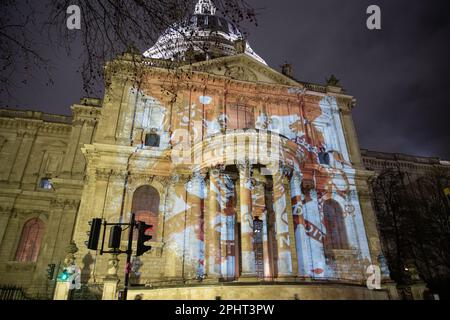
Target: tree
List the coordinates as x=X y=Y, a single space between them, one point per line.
x=108 y=28
x=19 y=51
x=414 y=221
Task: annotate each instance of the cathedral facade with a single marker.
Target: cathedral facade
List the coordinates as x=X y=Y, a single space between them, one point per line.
x=253 y=181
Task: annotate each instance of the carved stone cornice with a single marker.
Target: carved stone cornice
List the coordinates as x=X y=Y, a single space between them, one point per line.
x=24 y=134
x=107 y=173
x=102 y=174
x=29 y=128
x=85 y=112
x=55 y=128
x=180 y=178
x=346 y=103
x=64 y=204
x=119 y=174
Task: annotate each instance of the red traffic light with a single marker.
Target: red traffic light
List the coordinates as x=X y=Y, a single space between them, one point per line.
x=143 y=237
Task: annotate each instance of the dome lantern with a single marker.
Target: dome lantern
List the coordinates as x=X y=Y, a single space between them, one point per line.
x=205 y=7
x=203 y=36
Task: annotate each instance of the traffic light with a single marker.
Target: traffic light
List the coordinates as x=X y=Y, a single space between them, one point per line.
x=51 y=271
x=94 y=234
x=65 y=275
x=143 y=237
x=114 y=237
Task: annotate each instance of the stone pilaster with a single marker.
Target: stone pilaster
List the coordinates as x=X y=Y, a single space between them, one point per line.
x=212 y=227
x=23 y=153
x=301 y=239
x=111 y=281
x=174 y=233
x=5 y=214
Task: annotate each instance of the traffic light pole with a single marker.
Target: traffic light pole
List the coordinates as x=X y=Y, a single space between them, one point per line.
x=114 y=241
x=55 y=279
x=129 y=253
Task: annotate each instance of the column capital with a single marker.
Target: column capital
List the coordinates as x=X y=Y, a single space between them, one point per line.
x=217 y=170
x=244 y=166
x=180 y=178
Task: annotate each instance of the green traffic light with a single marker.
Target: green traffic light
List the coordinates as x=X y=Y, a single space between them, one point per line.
x=64 y=275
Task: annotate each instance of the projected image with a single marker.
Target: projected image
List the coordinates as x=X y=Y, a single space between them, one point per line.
x=308 y=208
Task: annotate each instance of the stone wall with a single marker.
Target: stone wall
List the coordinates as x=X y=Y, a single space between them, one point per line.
x=261 y=292
x=36 y=146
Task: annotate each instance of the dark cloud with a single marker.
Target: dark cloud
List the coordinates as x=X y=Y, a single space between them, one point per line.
x=399 y=75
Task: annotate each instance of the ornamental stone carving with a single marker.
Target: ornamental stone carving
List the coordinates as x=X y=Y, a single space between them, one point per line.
x=241 y=73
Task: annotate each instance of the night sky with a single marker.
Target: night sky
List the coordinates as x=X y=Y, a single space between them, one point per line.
x=400 y=75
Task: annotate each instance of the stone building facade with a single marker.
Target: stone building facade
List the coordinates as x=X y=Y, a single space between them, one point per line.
x=41 y=176
x=248 y=176
x=414 y=165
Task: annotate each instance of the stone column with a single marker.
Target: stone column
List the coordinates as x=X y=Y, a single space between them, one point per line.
x=194 y=238
x=290 y=219
x=315 y=235
x=248 y=254
x=302 y=242
x=223 y=229
x=282 y=226
x=260 y=210
x=228 y=219
x=212 y=227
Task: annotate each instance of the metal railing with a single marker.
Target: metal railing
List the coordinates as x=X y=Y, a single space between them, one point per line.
x=10 y=293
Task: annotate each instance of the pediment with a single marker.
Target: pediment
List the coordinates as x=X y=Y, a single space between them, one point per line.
x=244 y=68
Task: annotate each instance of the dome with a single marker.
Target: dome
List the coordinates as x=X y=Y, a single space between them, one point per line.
x=205 y=33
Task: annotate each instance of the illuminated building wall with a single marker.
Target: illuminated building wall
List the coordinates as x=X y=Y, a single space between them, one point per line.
x=209 y=166
x=246 y=174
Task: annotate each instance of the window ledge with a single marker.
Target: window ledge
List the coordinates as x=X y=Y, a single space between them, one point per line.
x=20 y=266
x=345 y=252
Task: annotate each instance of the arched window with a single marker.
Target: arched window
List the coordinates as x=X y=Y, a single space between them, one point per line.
x=146 y=208
x=30 y=241
x=335 y=225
